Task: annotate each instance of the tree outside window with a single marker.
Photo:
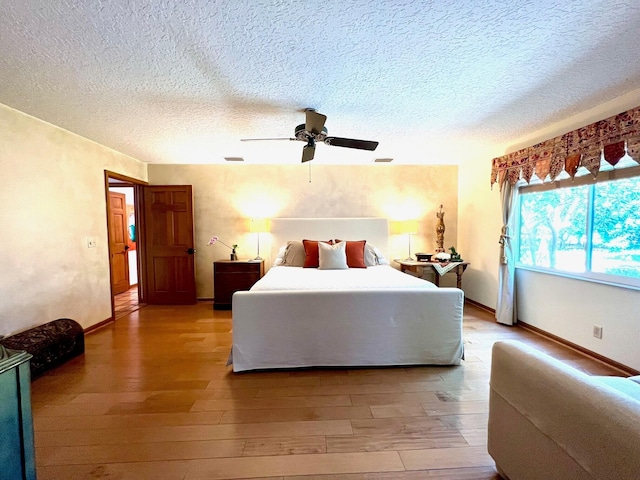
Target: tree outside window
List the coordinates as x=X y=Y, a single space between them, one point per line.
x=586 y=228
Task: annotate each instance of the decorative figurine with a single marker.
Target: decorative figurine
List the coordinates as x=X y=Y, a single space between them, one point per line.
x=440 y=231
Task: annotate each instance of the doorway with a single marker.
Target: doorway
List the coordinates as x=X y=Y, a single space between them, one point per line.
x=124 y=247
x=124 y=251
x=164 y=237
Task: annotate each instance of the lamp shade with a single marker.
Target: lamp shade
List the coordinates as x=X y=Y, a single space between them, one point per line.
x=259 y=225
x=406 y=227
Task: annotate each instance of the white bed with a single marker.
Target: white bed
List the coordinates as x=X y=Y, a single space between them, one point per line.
x=378 y=316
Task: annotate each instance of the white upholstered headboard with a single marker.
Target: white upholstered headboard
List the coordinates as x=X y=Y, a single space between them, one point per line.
x=374 y=230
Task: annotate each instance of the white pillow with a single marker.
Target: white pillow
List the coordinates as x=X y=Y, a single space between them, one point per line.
x=381 y=258
x=370 y=257
x=280 y=257
x=332 y=257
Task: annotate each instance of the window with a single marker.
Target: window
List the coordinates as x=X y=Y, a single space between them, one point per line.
x=582 y=228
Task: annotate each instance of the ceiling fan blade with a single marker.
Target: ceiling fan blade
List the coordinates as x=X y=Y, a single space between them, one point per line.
x=315 y=121
x=351 y=143
x=259 y=139
x=308 y=151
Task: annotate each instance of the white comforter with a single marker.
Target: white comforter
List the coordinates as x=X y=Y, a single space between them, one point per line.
x=305 y=317
x=298 y=278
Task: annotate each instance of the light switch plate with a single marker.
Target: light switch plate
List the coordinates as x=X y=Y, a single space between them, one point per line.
x=597 y=331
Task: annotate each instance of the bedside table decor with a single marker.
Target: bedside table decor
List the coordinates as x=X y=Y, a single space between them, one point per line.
x=440 y=231
x=455 y=256
x=443 y=268
x=214 y=240
x=442 y=257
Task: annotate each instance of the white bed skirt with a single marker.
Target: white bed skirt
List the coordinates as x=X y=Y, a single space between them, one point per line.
x=347 y=328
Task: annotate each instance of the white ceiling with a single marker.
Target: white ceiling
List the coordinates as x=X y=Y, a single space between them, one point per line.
x=183 y=81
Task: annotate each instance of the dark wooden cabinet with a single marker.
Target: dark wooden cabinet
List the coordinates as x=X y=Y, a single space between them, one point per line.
x=230 y=276
x=17 y=460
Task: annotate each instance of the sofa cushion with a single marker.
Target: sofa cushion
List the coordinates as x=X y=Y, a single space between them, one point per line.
x=635 y=379
x=542 y=408
x=621 y=384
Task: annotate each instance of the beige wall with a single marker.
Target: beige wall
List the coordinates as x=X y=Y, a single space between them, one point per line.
x=53 y=198
x=226 y=196
x=479 y=225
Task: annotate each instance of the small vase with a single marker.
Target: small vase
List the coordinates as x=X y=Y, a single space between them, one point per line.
x=234 y=255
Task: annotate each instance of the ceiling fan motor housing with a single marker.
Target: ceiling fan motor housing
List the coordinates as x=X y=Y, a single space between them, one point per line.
x=304 y=135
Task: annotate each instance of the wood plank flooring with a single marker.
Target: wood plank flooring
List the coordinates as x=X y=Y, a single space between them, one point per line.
x=127 y=302
x=152 y=398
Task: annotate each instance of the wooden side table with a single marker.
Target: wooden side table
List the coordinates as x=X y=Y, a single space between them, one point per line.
x=230 y=276
x=417 y=267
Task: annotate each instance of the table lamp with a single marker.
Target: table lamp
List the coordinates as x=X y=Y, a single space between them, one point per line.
x=407 y=227
x=259 y=225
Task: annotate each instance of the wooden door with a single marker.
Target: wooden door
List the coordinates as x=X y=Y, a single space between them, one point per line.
x=169 y=248
x=118 y=243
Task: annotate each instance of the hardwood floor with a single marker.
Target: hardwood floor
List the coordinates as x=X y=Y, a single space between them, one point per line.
x=127 y=302
x=152 y=398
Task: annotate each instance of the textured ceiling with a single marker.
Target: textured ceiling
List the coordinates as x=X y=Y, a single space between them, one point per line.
x=184 y=81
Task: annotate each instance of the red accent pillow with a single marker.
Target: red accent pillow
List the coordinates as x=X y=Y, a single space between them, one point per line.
x=355 y=253
x=312 y=257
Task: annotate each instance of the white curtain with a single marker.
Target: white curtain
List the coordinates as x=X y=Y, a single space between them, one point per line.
x=506 y=311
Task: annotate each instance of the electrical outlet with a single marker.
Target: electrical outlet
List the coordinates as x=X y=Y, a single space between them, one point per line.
x=92 y=242
x=597 y=331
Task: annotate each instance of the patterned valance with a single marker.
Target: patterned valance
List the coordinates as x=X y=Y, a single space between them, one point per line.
x=609 y=139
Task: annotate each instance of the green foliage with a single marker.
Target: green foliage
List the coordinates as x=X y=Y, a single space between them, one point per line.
x=554 y=227
x=551 y=221
x=617 y=215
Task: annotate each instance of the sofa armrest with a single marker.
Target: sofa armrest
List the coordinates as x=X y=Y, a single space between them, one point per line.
x=576 y=426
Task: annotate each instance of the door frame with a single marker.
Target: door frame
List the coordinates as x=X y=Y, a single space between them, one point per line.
x=116 y=179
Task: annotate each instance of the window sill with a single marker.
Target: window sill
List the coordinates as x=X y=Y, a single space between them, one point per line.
x=611 y=280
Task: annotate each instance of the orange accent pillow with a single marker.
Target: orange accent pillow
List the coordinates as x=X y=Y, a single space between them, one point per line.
x=355 y=253
x=312 y=257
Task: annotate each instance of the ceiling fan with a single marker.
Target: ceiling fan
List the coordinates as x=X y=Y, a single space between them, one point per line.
x=313 y=130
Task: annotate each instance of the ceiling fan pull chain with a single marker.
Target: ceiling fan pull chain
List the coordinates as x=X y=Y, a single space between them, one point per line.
x=309 y=172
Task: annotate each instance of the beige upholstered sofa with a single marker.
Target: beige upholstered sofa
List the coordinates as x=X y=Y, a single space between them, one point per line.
x=548 y=420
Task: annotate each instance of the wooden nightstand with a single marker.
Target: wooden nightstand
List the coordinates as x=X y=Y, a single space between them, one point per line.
x=417 y=267
x=230 y=276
